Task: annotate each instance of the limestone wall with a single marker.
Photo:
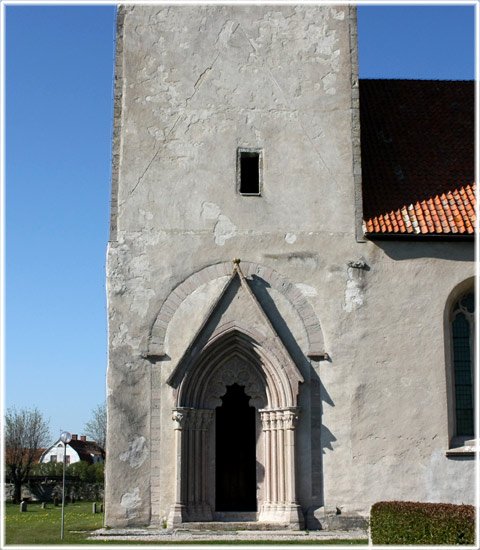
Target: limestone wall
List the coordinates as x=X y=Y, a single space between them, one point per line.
x=194 y=84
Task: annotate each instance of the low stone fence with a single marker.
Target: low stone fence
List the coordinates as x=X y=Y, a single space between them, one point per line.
x=47 y=490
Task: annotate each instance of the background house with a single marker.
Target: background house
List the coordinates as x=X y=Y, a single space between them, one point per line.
x=77 y=449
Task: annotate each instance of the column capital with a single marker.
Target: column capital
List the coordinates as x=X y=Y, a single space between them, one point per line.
x=180 y=416
x=279 y=419
x=290 y=417
x=192 y=419
x=267 y=416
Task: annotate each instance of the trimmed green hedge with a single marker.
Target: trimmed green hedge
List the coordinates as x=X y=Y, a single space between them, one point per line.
x=422 y=523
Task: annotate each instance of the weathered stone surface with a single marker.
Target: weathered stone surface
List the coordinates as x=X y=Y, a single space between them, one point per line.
x=194 y=83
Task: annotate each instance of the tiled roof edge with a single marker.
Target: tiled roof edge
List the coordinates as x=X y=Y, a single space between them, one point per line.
x=451 y=214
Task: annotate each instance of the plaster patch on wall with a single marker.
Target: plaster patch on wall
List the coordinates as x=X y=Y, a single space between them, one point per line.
x=224 y=230
x=138 y=286
x=115 y=277
x=141 y=299
x=337 y=14
x=210 y=211
x=354 y=292
x=137 y=452
x=130 y=501
x=307 y=290
x=119 y=337
x=353 y=296
x=156 y=133
x=326 y=44
x=290 y=238
x=328 y=82
x=140 y=264
x=122 y=337
x=145 y=215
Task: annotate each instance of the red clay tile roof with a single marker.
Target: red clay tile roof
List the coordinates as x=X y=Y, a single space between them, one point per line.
x=418 y=157
x=86 y=449
x=37 y=454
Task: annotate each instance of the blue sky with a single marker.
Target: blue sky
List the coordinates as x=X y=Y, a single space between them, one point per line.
x=58 y=86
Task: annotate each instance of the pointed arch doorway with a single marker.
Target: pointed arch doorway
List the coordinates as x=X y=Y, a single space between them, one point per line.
x=238 y=365
x=235 y=436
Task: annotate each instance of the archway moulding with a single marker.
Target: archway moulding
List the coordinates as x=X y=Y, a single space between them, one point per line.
x=271 y=379
x=255 y=343
x=231 y=349
x=305 y=311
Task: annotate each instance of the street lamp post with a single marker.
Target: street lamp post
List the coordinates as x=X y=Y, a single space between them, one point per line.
x=66 y=437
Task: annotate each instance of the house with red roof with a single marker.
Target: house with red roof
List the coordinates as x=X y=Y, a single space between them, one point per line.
x=77 y=449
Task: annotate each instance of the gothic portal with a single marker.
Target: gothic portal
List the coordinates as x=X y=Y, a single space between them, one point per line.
x=235 y=416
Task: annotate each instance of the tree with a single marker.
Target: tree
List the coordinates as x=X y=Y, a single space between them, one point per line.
x=96 y=428
x=47 y=469
x=88 y=473
x=26 y=431
x=82 y=471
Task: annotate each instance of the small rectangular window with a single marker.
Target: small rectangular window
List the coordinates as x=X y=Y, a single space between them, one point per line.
x=249 y=171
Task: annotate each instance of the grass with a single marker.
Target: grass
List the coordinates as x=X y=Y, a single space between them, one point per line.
x=43 y=527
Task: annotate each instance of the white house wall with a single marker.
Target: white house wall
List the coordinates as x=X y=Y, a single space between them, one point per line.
x=58 y=451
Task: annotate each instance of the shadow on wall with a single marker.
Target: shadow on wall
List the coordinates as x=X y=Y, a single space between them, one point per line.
x=413 y=249
x=321 y=437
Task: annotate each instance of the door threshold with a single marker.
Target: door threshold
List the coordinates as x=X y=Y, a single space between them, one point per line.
x=235 y=516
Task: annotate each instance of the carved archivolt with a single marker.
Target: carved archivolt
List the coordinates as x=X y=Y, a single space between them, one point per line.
x=294 y=295
x=272 y=379
x=251 y=354
x=235 y=371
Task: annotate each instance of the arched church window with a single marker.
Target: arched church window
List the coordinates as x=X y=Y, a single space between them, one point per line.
x=463 y=361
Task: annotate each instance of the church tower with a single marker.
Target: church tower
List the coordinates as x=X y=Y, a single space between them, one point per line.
x=234 y=213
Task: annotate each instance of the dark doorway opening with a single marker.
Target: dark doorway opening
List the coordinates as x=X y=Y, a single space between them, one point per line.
x=235 y=457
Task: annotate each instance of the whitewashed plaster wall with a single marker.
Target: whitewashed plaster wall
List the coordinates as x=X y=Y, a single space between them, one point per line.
x=194 y=84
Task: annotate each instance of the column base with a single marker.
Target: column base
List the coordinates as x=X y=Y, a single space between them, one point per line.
x=177 y=515
x=288 y=515
x=294 y=516
x=268 y=513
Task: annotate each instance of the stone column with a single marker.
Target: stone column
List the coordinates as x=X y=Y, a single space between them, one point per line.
x=178 y=510
x=293 y=511
x=266 y=510
x=191 y=466
x=280 y=505
x=199 y=509
x=282 y=474
x=191 y=463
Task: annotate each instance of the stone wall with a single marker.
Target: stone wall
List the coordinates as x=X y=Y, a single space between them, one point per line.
x=363 y=322
x=48 y=491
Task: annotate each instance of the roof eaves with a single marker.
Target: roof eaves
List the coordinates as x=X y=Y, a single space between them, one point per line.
x=376 y=236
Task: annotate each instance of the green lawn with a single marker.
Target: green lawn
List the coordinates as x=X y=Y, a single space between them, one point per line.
x=43 y=526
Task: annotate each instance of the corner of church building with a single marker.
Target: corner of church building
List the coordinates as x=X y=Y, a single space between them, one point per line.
x=275 y=354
